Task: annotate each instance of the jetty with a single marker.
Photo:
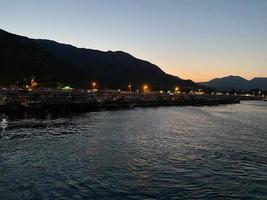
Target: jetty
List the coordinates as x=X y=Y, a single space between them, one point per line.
x=53 y=100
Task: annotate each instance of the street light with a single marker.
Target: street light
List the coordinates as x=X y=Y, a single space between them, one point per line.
x=93 y=85
x=176 y=89
x=145 y=88
x=130 y=87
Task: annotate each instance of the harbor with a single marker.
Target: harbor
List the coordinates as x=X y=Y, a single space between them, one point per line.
x=53 y=100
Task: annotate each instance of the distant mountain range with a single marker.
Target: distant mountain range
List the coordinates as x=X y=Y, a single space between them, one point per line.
x=237 y=82
x=54 y=64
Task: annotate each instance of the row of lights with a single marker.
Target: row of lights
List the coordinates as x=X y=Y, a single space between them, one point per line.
x=145 y=88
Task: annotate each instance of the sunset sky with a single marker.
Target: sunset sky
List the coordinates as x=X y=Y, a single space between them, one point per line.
x=193 y=39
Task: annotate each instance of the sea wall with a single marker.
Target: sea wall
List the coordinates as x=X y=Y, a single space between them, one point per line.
x=58 y=100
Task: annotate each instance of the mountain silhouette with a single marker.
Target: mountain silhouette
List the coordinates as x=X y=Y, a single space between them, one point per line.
x=53 y=64
x=237 y=82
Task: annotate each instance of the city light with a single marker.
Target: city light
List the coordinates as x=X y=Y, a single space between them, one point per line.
x=177 y=89
x=93 y=85
x=33 y=83
x=130 y=87
x=66 y=88
x=145 y=88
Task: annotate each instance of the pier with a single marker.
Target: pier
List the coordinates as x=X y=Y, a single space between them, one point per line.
x=82 y=100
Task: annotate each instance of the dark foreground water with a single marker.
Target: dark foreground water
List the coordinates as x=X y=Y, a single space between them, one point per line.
x=144 y=153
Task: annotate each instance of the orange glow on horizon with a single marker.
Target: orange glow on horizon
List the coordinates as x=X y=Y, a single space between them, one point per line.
x=202 y=69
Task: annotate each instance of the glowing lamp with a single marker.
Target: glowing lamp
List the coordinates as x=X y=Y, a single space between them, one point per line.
x=145 y=88
x=176 y=89
x=93 y=85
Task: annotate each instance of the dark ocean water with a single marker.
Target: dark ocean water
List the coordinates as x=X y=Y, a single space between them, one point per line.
x=145 y=153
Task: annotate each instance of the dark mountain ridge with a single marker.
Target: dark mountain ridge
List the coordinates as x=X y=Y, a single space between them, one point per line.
x=21 y=58
x=237 y=82
x=53 y=63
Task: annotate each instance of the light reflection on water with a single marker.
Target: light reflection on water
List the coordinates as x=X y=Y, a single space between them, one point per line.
x=149 y=153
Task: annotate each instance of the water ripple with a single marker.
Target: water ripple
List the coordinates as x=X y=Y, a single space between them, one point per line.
x=149 y=153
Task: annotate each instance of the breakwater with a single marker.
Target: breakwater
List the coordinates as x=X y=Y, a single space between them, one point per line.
x=81 y=100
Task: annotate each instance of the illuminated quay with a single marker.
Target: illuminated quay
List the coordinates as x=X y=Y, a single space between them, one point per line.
x=67 y=99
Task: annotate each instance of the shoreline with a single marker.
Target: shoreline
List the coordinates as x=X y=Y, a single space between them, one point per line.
x=83 y=101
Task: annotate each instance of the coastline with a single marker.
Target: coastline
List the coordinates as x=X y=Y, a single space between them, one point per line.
x=83 y=101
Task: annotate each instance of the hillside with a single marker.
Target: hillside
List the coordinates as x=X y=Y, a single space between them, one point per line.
x=20 y=58
x=53 y=63
x=237 y=82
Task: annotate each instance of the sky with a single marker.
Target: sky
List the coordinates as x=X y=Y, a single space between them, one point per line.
x=192 y=39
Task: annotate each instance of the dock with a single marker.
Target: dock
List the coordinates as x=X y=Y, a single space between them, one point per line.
x=82 y=100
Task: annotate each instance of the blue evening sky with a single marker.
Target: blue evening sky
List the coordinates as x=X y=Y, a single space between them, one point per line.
x=193 y=39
